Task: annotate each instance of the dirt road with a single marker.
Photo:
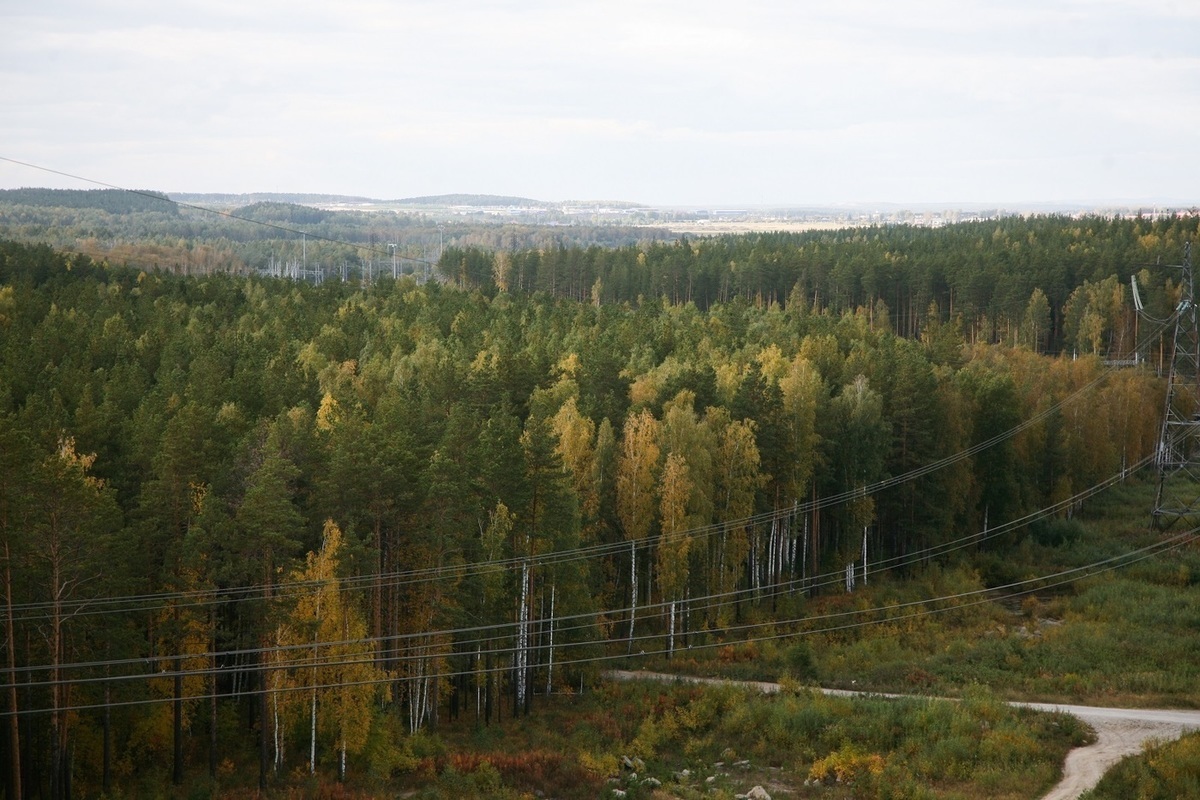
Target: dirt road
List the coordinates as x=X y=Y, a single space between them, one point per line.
x=1119 y=731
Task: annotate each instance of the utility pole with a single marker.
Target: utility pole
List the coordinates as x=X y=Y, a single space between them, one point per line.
x=440 y=250
x=1178 y=454
x=395 y=274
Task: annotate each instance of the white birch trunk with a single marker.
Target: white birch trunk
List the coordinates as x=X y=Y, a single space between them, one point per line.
x=423 y=708
x=550 y=657
x=412 y=698
x=671 y=629
x=275 y=735
x=342 y=760
x=523 y=636
x=782 y=547
x=414 y=703
x=686 y=616
x=795 y=542
x=632 y=589
x=770 y=570
x=755 y=581
x=864 y=555
x=804 y=561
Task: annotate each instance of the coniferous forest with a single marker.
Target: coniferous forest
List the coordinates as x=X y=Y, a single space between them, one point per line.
x=254 y=528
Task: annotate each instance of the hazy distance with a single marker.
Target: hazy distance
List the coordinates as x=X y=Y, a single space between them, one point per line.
x=668 y=103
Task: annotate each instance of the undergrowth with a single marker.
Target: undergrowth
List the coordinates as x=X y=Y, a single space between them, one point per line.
x=720 y=740
x=1109 y=638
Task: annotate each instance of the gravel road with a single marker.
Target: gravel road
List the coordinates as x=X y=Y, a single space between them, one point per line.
x=1119 y=732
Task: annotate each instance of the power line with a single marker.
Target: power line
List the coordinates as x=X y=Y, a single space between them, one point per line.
x=208 y=597
x=977 y=597
x=503 y=630
x=243 y=593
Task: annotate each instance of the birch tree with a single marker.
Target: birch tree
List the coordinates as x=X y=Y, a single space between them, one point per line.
x=550 y=522
x=737 y=482
x=340 y=678
x=637 y=467
x=575 y=435
x=803 y=392
x=675 y=541
x=861 y=434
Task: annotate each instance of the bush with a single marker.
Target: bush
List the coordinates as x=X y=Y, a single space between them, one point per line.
x=552 y=773
x=1056 y=532
x=798 y=662
x=845 y=765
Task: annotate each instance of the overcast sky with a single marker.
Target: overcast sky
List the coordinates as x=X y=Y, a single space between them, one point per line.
x=688 y=103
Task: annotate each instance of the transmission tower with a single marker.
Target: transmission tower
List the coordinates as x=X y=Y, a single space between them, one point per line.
x=1178 y=455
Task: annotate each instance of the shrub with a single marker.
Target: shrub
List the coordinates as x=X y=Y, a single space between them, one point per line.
x=1056 y=532
x=845 y=765
x=531 y=771
x=798 y=661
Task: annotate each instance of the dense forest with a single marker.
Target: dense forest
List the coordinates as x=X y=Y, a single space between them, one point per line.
x=1047 y=283
x=311 y=521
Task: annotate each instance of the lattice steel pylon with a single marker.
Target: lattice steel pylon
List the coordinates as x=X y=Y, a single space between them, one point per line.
x=1178 y=457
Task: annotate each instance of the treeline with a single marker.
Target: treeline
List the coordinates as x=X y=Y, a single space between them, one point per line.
x=984 y=273
x=241 y=516
x=148 y=231
x=112 y=201
x=284 y=213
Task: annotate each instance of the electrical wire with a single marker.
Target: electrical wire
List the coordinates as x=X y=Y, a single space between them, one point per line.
x=977 y=597
x=217 y=212
x=776 y=515
x=162 y=600
x=506 y=630
x=325 y=663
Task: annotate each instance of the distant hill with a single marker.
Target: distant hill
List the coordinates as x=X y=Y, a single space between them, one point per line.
x=283 y=212
x=114 y=201
x=494 y=200
x=435 y=200
x=240 y=200
x=625 y=204
x=470 y=200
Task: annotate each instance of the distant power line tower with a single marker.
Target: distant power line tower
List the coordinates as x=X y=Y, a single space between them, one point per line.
x=1178 y=455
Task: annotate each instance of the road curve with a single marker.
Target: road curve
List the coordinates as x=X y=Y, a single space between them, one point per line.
x=1119 y=731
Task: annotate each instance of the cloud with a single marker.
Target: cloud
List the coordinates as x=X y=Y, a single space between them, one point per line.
x=574 y=99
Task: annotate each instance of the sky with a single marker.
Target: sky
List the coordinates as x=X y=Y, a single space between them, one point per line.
x=742 y=102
